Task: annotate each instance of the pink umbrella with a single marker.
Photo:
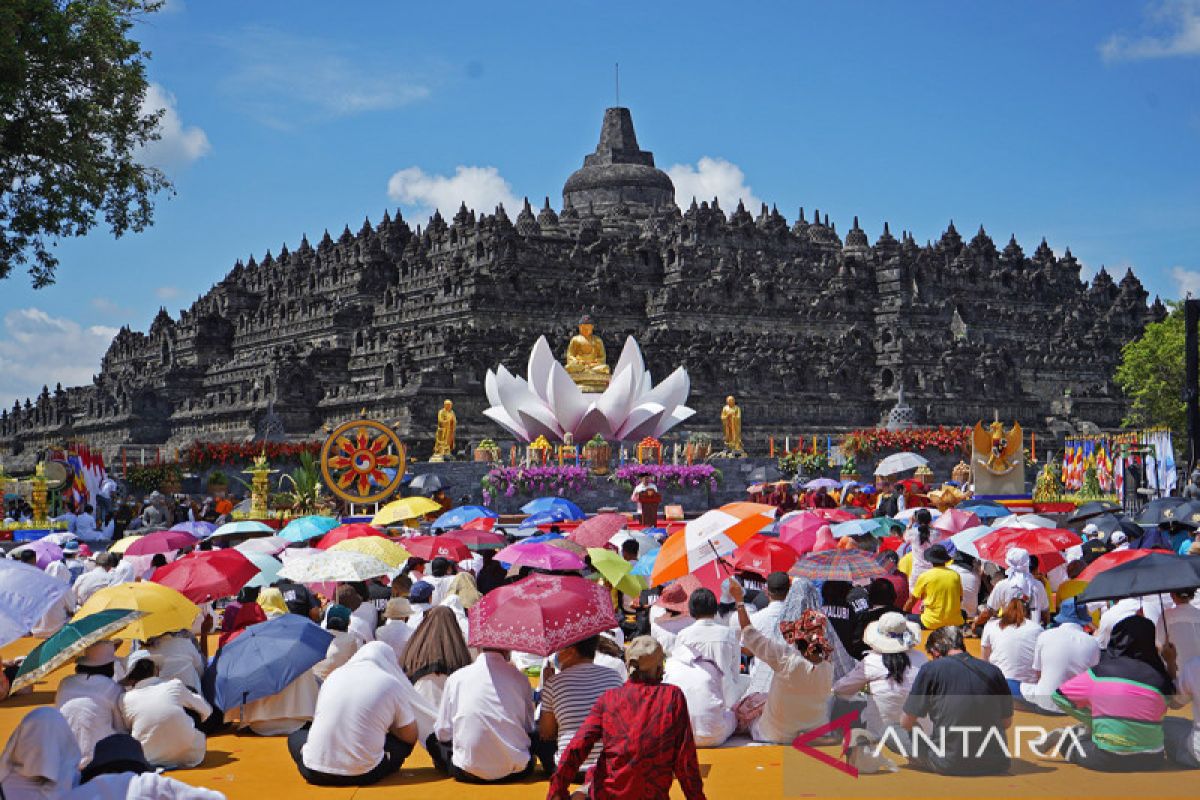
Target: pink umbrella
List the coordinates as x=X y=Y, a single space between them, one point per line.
x=799 y=530
x=541 y=614
x=47 y=552
x=598 y=530
x=161 y=542
x=956 y=520
x=540 y=556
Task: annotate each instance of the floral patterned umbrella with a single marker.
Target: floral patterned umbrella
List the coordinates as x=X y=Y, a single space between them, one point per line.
x=541 y=614
x=598 y=530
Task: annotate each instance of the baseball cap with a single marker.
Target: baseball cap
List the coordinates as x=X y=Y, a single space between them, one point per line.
x=336 y=611
x=421 y=592
x=778 y=582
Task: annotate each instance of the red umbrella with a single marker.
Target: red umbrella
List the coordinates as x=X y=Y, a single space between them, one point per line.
x=596 y=531
x=834 y=514
x=541 y=614
x=1110 y=560
x=480 y=524
x=431 y=547
x=160 y=542
x=207 y=575
x=762 y=556
x=1037 y=541
x=477 y=539
x=342 y=533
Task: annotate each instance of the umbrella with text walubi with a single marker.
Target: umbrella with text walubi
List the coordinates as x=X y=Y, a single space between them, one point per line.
x=710 y=537
x=71 y=640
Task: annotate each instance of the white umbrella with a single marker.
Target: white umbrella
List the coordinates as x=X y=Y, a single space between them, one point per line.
x=245 y=526
x=333 y=566
x=907 y=514
x=900 y=462
x=271 y=545
x=26 y=594
x=1024 y=521
x=646 y=543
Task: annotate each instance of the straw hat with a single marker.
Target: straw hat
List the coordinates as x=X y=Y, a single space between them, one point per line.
x=892 y=633
x=398 y=608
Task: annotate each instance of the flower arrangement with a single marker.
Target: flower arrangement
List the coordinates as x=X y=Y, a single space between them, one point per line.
x=862 y=443
x=679 y=476
x=596 y=441
x=151 y=477
x=199 y=456
x=539 y=481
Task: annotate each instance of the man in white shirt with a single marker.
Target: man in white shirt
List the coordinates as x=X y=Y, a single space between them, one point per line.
x=124 y=572
x=483 y=729
x=156 y=713
x=714 y=642
x=395 y=633
x=99 y=578
x=767 y=619
x=713 y=721
x=1180 y=624
x=965 y=566
x=1147 y=607
x=439 y=576
x=1060 y=654
x=85 y=526
x=90 y=700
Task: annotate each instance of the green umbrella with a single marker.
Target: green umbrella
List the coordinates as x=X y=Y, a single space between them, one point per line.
x=74 y=637
x=883 y=526
x=616 y=570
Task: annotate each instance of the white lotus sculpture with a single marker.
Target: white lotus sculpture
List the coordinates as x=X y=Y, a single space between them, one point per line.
x=550 y=404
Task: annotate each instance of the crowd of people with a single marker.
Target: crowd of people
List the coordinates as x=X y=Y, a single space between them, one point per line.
x=767 y=658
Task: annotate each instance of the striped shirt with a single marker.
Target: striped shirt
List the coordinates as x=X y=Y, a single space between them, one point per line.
x=569 y=695
x=1125 y=715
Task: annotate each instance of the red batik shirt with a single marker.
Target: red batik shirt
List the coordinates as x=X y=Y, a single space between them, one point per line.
x=647 y=738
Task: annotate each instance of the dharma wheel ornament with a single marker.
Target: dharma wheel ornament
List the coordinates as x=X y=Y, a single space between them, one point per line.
x=354 y=459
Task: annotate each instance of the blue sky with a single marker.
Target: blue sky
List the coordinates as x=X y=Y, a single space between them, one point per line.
x=1077 y=120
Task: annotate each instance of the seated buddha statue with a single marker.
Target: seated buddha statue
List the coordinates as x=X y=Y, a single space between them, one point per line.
x=586 y=360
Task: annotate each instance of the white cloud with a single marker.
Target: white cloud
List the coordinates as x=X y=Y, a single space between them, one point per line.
x=481 y=188
x=712 y=177
x=283 y=80
x=1188 y=281
x=178 y=145
x=108 y=306
x=1175 y=26
x=38 y=350
x=167 y=292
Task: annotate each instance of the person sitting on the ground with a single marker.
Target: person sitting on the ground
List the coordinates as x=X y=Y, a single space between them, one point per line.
x=435 y=652
x=362 y=615
x=41 y=758
x=968 y=572
x=767 y=618
x=441 y=572
x=888 y=669
x=956 y=692
x=461 y=595
x=1010 y=641
x=890 y=561
x=395 y=633
x=363 y=728
x=120 y=771
x=178 y=657
x=99 y=578
x=484 y=730
x=702 y=682
x=1020 y=575
x=1062 y=652
x=920 y=537
x=568 y=694
x=940 y=591
x=241 y=614
x=669 y=615
x=713 y=641
x=157 y=714
x=1121 y=702
x=90 y=700
x=1181 y=738
x=798 y=699
x=492 y=575
x=419 y=598
x=59 y=612
x=344 y=644
x=646 y=737
x=846 y=621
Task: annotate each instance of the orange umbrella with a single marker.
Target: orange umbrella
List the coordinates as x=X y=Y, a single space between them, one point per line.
x=711 y=536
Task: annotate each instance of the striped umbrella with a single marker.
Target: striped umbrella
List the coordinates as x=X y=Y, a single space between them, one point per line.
x=838 y=565
x=711 y=536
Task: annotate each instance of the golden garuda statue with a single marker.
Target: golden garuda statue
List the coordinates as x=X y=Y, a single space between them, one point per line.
x=587 y=362
x=994 y=450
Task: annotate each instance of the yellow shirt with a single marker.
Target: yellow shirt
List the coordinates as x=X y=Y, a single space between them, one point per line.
x=905 y=564
x=940 y=589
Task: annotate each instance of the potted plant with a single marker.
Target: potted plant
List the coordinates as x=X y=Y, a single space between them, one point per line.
x=701 y=444
x=598 y=453
x=487 y=450
x=850 y=470
x=218 y=483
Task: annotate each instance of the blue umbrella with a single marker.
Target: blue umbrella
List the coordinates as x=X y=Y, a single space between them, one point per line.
x=457 y=517
x=201 y=530
x=264 y=660
x=855 y=527
x=26 y=594
x=984 y=509
x=964 y=540
x=552 y=503
x=268 y=569
x=302 y=529
x=543 y=537
x=545 y=518
x=645 y=563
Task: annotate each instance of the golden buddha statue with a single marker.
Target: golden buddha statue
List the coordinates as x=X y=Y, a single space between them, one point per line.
x=586 y=360
x=443 y=440
x=731 y=425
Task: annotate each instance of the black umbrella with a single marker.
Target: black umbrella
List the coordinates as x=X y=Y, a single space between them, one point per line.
x=1092 y=509
x=1161 y=509
x=427 y=483
x=1156 y=573
x=764 y=474
x=1108 y=524
x=1186 y=514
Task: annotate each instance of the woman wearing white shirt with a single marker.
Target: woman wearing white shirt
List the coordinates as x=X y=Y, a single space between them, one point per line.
x=920 y=538
x=888 y=670
x=90 y=700
x=1011 y=641
x=41 y=759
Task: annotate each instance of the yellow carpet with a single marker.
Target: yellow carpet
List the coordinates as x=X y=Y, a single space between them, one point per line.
x=248 y=766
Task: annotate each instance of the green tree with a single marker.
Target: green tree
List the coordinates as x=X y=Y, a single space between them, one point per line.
x=71 y=124
x=1151 y=375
